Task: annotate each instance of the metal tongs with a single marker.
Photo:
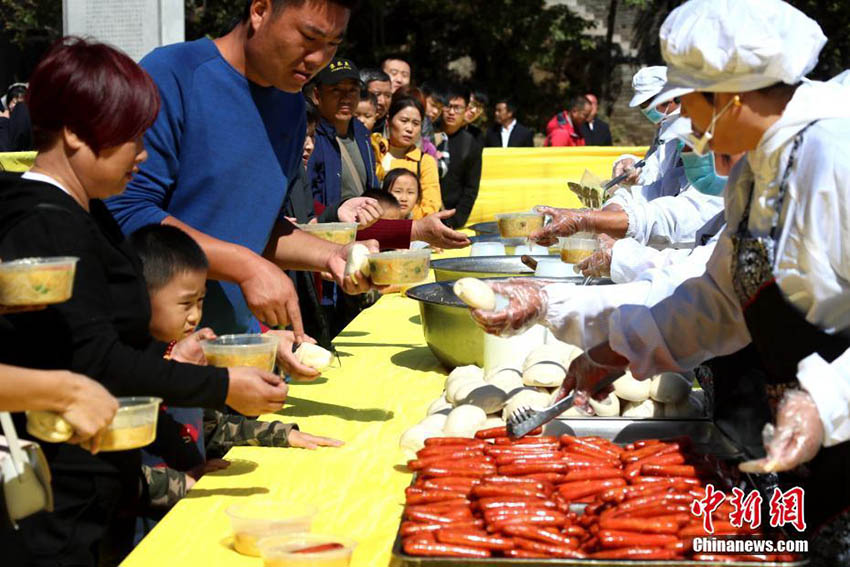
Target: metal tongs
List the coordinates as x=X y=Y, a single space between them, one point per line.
x=624 y=175
x=525 y=419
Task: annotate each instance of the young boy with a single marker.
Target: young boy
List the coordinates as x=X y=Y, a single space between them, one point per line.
x=367 y=110
x=175 y=270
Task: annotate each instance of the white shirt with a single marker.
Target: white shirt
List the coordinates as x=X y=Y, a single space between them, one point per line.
x=506 y=133
x=580 y=315
x=703 y=318
x=44 y=179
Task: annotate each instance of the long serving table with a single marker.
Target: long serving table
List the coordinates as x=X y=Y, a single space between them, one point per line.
x=381 y=385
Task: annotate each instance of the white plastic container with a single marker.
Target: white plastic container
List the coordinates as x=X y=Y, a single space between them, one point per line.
x=306 y=550
x=133 y=426
x=402 y=267
x=532 y=250
x=259 y=351
x=37 y=281
x=260 y=518
x=519 y=225
x=336 y=232
x=577 y=248
x=487 y=249
x=553 y=269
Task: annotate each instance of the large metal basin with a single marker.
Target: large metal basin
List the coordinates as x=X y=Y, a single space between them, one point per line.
x=450 y=332
x=448 y=269
x=485 y=228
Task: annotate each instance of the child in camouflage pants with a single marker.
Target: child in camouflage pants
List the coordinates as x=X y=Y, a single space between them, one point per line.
x=191 y=441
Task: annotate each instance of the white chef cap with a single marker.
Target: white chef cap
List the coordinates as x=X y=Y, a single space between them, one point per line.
x=647 y=83
x=736 y=46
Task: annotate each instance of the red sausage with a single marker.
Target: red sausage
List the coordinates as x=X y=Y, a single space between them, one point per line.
x=465 y=472
x=548 y=548
x=471 y=539
x=485 y=491
x=431 y=496
x=319 y=548
x=688 y=471
x=612 y=539
x=512 y=480
x=542 y=535
x=524 y=554
x=443 y=550
x=409 y=528
x=492 y=433
x=635 y=553
x=640 y=525
x=434 y=441
x=551 y=519
x=667 y=480
x=573 y=490
x=531 y=468
x=593 y=474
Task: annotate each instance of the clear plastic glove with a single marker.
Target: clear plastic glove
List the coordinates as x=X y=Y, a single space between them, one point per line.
x=527 y=305
x=587 y=371
x=598 y=265
x=796 y=438
x=565 y=222
x=626 y=165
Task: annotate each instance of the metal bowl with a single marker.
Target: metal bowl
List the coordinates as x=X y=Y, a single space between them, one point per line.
x=485 y=228
x=448 y=269
x=450 y=332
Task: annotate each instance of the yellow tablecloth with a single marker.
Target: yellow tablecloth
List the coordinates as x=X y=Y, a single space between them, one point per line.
x=516 y=179
x=16 y=161
x=386 y=380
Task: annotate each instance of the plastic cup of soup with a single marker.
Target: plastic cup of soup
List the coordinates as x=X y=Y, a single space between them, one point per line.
x=518 y=225
x=402 y=267
x=577 y=248
x=487 y=249
x=259 y=351
x=133 y=426
x=336 y=232
x=258 y=519
x=37 y=281
x=306 y=550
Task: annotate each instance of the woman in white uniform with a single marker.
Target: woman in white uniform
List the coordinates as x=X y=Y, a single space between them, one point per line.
x=779 y=277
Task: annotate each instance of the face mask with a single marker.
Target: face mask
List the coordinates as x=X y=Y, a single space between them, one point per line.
x=653 y=115
x=700 y=145
x=701 y=174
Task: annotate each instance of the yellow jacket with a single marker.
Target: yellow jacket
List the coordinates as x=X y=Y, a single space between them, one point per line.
x=417 y=162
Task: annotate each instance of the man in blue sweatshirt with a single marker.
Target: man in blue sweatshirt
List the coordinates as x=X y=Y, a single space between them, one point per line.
x=225 y=147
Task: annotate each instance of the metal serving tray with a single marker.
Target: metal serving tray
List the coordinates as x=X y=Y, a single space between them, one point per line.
x=707 y=439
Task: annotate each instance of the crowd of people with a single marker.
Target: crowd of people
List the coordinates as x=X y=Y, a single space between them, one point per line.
x=181 y=195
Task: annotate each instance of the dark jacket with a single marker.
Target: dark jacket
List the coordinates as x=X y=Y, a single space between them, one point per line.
x=459 y=186
x=16 y=131
x=600 y=135
x=521 y=137
x=102 y=332
x=324 y=170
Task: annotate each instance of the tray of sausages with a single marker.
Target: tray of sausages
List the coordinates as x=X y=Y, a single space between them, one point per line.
x=563 y=500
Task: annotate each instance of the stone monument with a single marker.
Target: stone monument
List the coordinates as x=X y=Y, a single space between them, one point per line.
x=134 y=26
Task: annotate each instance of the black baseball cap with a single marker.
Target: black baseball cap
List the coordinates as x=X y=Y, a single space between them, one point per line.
x=337 y=71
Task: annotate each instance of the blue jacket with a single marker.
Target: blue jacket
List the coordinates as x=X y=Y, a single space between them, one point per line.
x=324 y=170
